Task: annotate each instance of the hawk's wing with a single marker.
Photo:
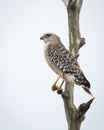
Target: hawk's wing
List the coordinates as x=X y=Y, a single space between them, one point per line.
x=67 y=63
x=63 y=60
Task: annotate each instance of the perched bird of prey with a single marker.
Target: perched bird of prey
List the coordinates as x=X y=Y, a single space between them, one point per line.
x=63 y=63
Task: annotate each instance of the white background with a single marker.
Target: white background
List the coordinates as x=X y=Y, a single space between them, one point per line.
x=26 y=99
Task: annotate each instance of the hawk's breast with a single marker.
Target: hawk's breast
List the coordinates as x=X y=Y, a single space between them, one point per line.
x=52 y=58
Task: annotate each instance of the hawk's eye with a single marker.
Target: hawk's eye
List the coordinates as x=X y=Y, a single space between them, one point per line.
x=48 y=35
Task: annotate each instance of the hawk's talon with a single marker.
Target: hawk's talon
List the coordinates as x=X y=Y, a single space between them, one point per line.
x=59 y=91
x=54 y=87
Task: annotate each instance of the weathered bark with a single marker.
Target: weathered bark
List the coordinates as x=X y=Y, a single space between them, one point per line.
x=74 y=116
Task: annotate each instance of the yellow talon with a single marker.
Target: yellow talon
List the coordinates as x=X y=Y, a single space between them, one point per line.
x=54 y=86
x=59 y=89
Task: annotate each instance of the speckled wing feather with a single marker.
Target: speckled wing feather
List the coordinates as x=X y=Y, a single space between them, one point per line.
x=65 y=61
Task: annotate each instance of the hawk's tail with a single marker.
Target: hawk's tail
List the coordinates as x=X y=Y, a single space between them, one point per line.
x=87 y=90
x=86 y=86
x=81 y=80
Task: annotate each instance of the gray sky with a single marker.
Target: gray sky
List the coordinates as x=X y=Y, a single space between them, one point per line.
x=26 y=99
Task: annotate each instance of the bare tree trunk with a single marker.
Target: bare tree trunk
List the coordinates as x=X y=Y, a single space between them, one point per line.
x=74 y=116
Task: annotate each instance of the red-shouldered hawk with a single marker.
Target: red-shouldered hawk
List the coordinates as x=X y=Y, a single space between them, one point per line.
x=63 y=62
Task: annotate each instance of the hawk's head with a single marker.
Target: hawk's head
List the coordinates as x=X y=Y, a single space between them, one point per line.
x=50 y=37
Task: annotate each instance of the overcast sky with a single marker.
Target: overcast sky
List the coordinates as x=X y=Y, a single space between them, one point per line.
x=26 y=99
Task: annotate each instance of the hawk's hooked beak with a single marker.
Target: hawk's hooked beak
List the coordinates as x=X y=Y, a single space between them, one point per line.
x=41 y=38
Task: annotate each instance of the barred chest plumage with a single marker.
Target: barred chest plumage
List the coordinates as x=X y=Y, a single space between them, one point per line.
x=52 y=58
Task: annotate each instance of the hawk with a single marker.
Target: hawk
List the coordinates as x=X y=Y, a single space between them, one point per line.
x=63 y=63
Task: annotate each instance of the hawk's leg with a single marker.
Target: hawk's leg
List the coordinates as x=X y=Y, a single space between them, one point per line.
x=59 y=89
x=54 y=86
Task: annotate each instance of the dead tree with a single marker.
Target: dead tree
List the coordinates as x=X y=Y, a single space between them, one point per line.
x=74 y=116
